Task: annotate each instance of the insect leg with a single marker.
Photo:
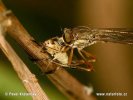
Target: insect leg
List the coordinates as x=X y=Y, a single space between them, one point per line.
x=65 y=49
x=77 y=66
x=93 y=58
x=82 y=68
x=85 y=60
x=79 y=51
x=70 y=56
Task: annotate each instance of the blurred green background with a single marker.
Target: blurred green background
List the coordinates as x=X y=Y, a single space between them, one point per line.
x=46 y=18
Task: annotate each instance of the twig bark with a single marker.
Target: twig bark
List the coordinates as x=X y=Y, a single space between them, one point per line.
x=29 y=80
x=62 y=79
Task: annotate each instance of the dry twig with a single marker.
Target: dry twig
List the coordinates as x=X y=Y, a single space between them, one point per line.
x=29 y=80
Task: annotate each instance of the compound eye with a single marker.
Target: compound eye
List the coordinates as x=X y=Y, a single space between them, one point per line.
x=67 y=36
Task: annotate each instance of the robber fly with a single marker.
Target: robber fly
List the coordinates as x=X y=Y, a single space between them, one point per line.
x=79 y=38
x=58 y=48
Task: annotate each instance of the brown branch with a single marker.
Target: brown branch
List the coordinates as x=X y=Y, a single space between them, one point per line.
x=29 y=80
x=62 y=79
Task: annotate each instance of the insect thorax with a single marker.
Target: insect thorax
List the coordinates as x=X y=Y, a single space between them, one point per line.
x=55 y=49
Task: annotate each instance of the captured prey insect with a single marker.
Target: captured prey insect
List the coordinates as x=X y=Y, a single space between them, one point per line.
x=79 y=38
